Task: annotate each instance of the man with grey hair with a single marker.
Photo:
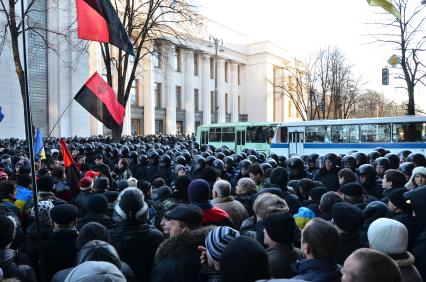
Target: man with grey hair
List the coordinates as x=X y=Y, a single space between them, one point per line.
x=222 y=199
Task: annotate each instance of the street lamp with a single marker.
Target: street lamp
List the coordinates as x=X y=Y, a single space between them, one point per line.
x=218 y=47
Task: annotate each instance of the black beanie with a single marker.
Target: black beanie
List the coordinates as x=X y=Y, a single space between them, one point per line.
x=7 y=231
x=243 y=260
x=45 y=183
x=396 y=197
x=347 y=217
x=281 y=227
x=98 y=204
x=64 y=214
x=279 y=177
x=91 y=231
x=317 y=193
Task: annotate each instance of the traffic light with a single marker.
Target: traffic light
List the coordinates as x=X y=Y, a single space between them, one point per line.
x=385 y=76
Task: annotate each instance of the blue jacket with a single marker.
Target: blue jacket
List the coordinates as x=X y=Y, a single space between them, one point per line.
x=317 y=271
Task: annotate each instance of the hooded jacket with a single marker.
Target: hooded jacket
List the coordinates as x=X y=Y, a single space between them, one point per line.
x=95 y=271
x=317 y=271
x=234 y=208
x=409 y=272
x=11 y=268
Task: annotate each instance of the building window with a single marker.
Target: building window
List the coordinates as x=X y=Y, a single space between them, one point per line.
x=211 y=68
x=178 y=97
x=196 y=100
x=178 y=59
x=157 y=89
x=226 y=103
x=156 y=56
x=239 y=75
x=196 y=64
x=134 y=93
x=212 y=101
x=226 y=72
x=239 y=104
x=159 y=128
x=136 y=127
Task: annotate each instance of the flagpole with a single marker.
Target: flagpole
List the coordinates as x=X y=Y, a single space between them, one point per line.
x=30 y=140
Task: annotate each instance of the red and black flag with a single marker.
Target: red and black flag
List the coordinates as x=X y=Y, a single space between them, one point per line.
x=71 y=171
x=99 y=99
x=97 y=20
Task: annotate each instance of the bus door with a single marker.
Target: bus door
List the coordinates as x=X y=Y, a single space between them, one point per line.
x=296 y=140
x=204 y=136
x=241 y=140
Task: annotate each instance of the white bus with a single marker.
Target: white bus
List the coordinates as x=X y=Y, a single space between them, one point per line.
x=343 y=136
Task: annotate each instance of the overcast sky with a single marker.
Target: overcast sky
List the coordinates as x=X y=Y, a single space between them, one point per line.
x=304 y=26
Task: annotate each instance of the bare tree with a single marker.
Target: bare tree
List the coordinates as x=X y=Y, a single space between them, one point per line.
x=374 y=104
x=407 y=36
x=145 y=22
x=323 y=88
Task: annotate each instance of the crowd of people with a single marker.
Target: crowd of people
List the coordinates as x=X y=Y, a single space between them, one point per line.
x=164 y=208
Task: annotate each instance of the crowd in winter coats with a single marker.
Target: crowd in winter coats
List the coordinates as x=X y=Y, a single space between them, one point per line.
x=164 y=208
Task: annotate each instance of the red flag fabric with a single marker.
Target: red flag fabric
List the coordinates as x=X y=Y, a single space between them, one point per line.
x=71 y=172
x=99 y=99
x=97 y=20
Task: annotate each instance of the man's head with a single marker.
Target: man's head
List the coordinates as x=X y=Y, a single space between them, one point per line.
x=346 y=175
x=221 y=189
x=369 y=265
x=320 y=240
x=267 y=203
x=393 y=179
x=182 y=218
x=246 y=186
x=280 y=228
x=64 y=215
x=256 y=173
x=352 y=193
x=328 y=200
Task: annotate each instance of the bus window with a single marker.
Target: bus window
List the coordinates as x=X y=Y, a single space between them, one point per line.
x=345 y=133
x=260 y=134
x=409 y=132
x=215 y=134
x=314 y=134
x=283 y=135
x=375 y=132
x=228 y=134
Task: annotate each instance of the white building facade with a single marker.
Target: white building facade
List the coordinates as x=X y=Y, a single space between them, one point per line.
x=174 y=91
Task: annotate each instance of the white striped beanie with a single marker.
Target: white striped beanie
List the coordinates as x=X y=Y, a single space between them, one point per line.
x=217 y=239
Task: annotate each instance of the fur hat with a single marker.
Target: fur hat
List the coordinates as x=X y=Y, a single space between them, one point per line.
x=420 y=170
x=130 y=206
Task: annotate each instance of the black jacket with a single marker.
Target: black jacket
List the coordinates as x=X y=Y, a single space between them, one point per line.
x=317 y=271
x=59 y=252
x=12 y=269
x=93 y=217
x=328 y=178
x=81 y=201
x=349 y=242
x=136 y=244
x=281 y=258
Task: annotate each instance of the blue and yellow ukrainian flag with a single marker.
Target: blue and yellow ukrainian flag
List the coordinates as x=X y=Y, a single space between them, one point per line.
x=38 y=146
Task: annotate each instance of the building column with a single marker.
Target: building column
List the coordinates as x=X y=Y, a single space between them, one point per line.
x=170 y=90
x=205 y=93
x=127 y=122
x=148 y=95
x=189 y=92
x=269 y=93
x=234 y=92
x=221 y=111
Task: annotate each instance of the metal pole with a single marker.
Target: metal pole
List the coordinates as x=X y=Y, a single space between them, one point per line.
x=215 y=80
x=30 y=140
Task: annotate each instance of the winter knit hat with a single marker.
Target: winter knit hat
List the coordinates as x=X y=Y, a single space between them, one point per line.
x=7 y=231
x=217 y=239
x=132 y=182
x=279 y=178
x=303 y=217
x=388 y=236
x=347 y=217
x=44 y=208
x=420 y=170
x=86 y=183
x=396 y=197
x=122 y=184
x=199 y=193
x=281 y=227
x=91 y=231
x=243 y=260
x=98 y=204
x=130 y=206
x=45 y=183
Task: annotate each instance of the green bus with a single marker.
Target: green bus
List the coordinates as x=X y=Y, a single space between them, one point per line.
x=238 y=136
